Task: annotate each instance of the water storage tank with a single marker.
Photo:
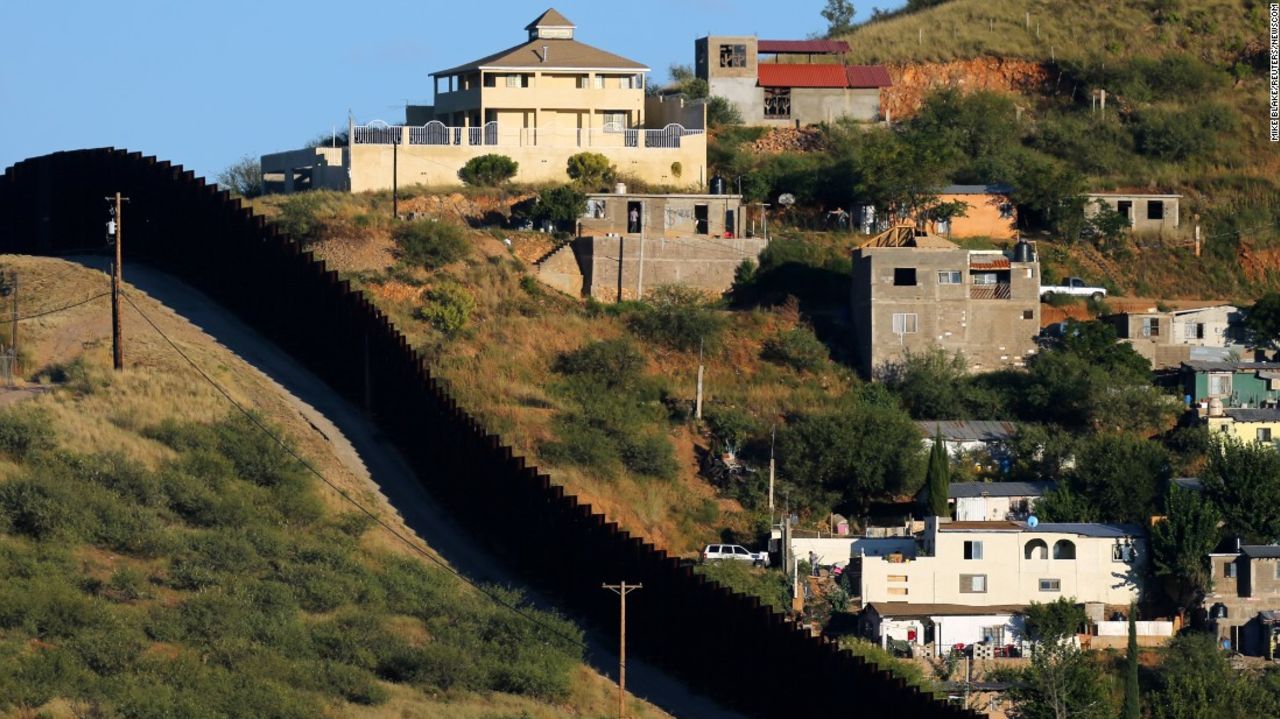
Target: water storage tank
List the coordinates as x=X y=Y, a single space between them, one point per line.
x=717 y=185
x=1023 y=252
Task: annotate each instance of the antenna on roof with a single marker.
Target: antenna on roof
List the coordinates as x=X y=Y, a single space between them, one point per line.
x=544 y=53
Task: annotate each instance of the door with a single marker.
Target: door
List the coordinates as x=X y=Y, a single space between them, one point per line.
x=730 y=224
x=635 y=218
x=700 y=219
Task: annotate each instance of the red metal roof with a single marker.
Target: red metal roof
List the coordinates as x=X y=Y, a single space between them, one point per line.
x=999 y=263
x=772 y=75
x=802 y=46
x=868 y=76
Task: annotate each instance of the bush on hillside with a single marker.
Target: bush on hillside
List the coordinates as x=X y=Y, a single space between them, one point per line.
x=1178 y=135
x=430 y=244
x=721 y=112
x=797 y=348
x=678 y=317
x=611 y=363
x=590 y=170
x=488 y=170
x=561 y=205
x=448 y=308
x=24 y=431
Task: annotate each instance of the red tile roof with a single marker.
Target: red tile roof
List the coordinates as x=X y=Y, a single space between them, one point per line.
x=802 y=46
x=822 y=75
x=772 y=75
x=1000 y=263
x=868 y=76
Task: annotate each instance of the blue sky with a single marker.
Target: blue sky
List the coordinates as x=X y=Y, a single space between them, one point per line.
x=204 y=83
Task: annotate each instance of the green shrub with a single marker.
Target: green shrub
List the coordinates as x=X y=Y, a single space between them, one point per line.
x=488 y=170
x=356 y=686
x=1170 y=135
x=302 y=214
x=448 y=308
x=721 y=112
x=430 y=244
x=797 y=348
x=678 y=317
x=590 y=170
x=24 y=431
x=770 y=586
x=610 y=363
x=32 y=508
x=650 y=455
x=561 y=205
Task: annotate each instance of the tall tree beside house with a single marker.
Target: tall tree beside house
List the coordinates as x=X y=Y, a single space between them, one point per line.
x=1180 y=546
x=839 y=16
x=1243 y=481
x=1262 y=321
x=938 y=479
x=1132 y=700
x=1062 y=682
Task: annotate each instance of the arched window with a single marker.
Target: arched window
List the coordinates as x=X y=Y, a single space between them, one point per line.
x=1064 y=549
x=1037 y=549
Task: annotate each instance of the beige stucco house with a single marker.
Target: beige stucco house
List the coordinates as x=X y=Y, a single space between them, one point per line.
x=1244 y=604
x=1008 y=563
x=1167 y=339
x=538 y=102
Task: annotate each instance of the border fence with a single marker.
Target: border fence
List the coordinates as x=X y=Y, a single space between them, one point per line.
x=716 y=641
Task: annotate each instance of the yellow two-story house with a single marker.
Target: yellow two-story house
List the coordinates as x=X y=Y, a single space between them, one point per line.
x=539 y=103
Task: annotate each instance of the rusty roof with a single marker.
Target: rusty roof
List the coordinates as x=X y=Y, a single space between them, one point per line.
x=802 y=46
x=999 y=263
x=867 y=76
x=783 y=75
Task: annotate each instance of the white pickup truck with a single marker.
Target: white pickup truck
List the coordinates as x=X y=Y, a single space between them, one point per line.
x=1075 y=287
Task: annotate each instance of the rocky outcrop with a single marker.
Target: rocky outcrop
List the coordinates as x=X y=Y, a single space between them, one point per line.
x=912 y=82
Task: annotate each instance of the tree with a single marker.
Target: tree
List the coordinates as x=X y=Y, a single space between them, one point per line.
x=1107 y=226
x=1121 y=476
x=448 y=308
x=589 y=169
x=1180 y=546
x=1262 y=321
x=1243 y=481
x=938 y=477
x=488 y=170
x=678 y=317
x=1061 y=682
x=721 y=112
x=1132 y=701
x=1195 y=681
x=1054 y=622
x=561 y=205
x=243 y=177
x=839 y=16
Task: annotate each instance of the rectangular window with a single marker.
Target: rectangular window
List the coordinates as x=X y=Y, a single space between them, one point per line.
x=1050 y=585
x=1006 y=211
x=599 y=81
x=973 y=584
x=582 y=82
x=1155 y=210
x=985 y=278
x=973 y=550
x=904 y=276
x=1121 y=553
x=1264 y=434
x=1150 y=326
x=1028 y=314
x=1125 y=207
x=1229 y=570
x=777 y=102
x=733 y=56
x=949 y=277
x=1219 y=384
x=513 y=80
x=906 y=323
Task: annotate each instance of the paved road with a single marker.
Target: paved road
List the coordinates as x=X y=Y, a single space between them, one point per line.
x=359 y=440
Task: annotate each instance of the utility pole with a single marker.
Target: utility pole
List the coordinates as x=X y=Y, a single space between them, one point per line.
x=772 y=436
x=697 y=409
x=117 y=330
x=395 y=174
x=622 y=589
x=644 y=220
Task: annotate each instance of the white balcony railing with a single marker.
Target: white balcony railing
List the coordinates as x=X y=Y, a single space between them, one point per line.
x=437 y=133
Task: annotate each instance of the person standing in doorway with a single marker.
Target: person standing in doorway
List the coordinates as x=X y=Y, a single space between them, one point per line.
x=633 y=220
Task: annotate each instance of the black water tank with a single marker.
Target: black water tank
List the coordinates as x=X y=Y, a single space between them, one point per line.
x=717 y=185
x=1022 y=252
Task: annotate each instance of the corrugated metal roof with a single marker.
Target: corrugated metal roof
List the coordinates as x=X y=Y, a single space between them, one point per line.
x=969 y=430
x=1000 y=263
x=999 y=489
x=998 y=525
x=867 y=76
x=1261 y=551
x=1088 y=529
x=1190 y=483
x=1203 y=366
x=1252 y=414
x=778 y=75
x=802 y=46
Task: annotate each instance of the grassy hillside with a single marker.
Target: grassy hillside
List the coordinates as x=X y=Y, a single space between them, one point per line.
x=161 y=556
x=1059 y=29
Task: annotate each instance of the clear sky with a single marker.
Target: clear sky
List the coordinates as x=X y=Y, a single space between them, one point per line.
x=204 y=83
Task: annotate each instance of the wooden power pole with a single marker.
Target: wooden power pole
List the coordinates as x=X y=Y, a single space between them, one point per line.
x=117 y=330
x=622 y=589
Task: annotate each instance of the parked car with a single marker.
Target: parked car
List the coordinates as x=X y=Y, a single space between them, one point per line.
x=734 y=551
x=1075 y=287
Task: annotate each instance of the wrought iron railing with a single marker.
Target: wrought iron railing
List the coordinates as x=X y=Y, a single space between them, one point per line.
x=437 y=133
x=999 y=291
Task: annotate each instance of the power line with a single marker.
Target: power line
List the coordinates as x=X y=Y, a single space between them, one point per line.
x=64 y=307
x=342 y=493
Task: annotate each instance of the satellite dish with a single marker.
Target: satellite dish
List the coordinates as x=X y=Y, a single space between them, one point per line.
x=1032 y=521
x=786 y=198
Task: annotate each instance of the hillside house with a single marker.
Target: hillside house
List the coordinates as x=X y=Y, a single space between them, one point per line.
x=1244 y=604
x=985 y=564
x=538 y=102
x=787 y=83
x=934 y=629
x=990 y=213
x=628 y=243
x=995 y=501
x=1147 y=212
x=1245 y=424
x=1233 y=384
x=1170 y=338
x=912 y=292
x=968 y=435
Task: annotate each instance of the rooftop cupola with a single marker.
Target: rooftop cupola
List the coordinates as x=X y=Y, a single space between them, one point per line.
x=550 y=25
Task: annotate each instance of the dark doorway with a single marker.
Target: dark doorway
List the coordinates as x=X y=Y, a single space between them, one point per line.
x=730 y=224
x=700 y=219
x=634 y=217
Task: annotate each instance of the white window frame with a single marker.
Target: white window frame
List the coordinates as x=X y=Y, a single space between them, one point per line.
x=950 y=277
x=986 y=278
x=1051 y=585
x=513 y=81
x=599 y=81
x=973 y=547
x=1219 y=379
x=977 y=583
x=906 y=323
